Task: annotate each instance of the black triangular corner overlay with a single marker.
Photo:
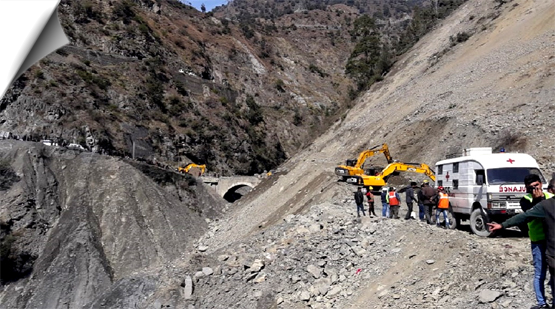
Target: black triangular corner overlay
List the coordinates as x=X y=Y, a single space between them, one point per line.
x=22 y=23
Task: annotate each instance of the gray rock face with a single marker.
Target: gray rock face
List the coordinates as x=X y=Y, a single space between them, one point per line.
x=88 y=221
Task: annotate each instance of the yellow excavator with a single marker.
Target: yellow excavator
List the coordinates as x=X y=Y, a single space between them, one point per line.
x=380 y=179
x=188 y=168
x=353 y=167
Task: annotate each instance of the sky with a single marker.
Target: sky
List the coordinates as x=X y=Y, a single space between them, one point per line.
x=209 y=4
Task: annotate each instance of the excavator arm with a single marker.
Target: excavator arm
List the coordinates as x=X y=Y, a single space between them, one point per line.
x=381 y=179
x=368 y=153
x=356 y=168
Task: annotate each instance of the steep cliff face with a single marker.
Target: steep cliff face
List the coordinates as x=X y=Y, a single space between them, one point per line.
x=241 y=94
x=75 y=223
x=167 y=78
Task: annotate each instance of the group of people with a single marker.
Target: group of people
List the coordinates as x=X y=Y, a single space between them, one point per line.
x=426 y=197
x=537 y=218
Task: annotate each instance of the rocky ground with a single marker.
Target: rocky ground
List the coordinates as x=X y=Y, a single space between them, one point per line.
x=325 y=257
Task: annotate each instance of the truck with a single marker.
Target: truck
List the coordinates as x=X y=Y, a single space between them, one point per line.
x=484 y=186
x=353 y=167
x=379 y=179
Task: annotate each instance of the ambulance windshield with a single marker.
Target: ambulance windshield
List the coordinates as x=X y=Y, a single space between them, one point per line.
x=498 y=176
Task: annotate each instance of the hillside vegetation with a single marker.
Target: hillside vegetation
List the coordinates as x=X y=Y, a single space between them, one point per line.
x=165 y=78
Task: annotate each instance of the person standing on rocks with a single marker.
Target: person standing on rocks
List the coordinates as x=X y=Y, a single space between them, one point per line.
x=394 y=201
x=409 y=199
x=429 y=195
x=543 y=210
x=421 y=209
x=442 y=206
x=370 y=197
x=359 y=200
x=536 y=233
x=385 y=205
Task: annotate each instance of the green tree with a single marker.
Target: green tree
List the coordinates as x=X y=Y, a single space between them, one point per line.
x=370 y=58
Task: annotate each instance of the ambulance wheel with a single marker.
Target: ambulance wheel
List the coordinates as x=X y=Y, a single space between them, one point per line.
x=478 y=223
x=454 y=221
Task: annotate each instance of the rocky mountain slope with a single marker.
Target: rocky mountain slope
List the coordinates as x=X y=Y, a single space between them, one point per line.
x=73 y=223
x=444 y=96
x=166 y=78
x=441 y=98
x=294 y=241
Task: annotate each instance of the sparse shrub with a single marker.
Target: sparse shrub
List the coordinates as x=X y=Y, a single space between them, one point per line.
x=7 y=175
x=254 y=114
x=180 y=44
x=62 y=52
x=279 y=85
x=315 y=69
x=88 y=77
x=124 y=10
x=297 y=118
x=247 y=30
x=459 y=38
x=510 y=139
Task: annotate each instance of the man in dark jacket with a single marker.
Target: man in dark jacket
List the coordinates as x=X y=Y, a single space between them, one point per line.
x=409 y=198
x=421 y=208
x=359 y=200
x=546 y=211
x=428 y=193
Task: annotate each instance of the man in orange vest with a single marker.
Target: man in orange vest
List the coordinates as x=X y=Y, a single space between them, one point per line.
x=442 y=206
x=394 y=201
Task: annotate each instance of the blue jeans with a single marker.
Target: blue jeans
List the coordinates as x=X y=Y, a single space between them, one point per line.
x=540 y=270
x=421 y=211
x=360 y=207
x=444 y=211
x=385 y=210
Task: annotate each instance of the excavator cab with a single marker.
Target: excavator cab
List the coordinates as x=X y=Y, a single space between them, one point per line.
x=351 y=162
x=373 y=171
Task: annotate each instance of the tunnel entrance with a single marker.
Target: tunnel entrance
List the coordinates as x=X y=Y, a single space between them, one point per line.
x=237 y=192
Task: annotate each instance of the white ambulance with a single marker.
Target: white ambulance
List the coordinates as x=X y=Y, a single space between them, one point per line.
x=485 y=186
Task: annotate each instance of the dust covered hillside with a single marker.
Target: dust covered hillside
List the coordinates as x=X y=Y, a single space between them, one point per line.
x=485 y=77
x=494 y=89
